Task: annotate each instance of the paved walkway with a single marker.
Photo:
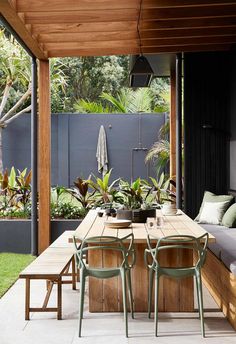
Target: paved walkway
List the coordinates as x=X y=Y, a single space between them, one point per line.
x=43 y=328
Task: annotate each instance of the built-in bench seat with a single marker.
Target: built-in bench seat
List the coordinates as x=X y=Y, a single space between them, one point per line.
x=219 y=271
x=225 y=246
x=52 y=265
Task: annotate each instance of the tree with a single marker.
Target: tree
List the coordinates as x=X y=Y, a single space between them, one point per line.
x=15 y=82
x=88 y=77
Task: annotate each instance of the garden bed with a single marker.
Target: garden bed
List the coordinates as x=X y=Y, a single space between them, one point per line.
x=15 y=234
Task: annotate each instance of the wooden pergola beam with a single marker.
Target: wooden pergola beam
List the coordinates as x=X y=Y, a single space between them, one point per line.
x=173 y=122
x=44 y=155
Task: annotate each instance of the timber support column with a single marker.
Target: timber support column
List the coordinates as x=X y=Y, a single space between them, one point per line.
x=173 y=122
x=44 y=156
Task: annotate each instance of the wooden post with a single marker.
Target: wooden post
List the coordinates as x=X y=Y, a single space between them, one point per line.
x=173 y=122
x=44 y=157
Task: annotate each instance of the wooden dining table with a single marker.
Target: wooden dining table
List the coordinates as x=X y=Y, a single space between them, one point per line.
x=175 y=295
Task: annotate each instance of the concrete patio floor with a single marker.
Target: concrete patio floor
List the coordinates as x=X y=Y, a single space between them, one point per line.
x=102 y=328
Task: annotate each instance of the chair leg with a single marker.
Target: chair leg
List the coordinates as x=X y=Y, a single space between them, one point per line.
x=198 y=301
x=199 y=281
x=123 y=277
x=156 y=302
x=131 y=300
x=81 y=304
x=150 y=287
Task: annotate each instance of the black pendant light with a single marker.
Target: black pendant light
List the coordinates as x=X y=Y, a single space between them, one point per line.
x=141 y=72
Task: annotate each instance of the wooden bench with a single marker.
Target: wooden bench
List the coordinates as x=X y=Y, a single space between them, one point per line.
x=52 y=265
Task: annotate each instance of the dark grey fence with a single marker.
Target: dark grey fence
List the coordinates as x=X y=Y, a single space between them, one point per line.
x=74 y=144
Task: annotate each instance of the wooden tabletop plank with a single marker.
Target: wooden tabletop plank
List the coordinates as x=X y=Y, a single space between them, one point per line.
x=179 y=224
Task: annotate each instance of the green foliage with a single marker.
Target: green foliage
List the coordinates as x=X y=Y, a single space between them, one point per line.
x=81 y=193
x=11 y=265
x=15 y=189
x=88 y=77
x=126 y=100
x=66 y=211
x=13 y=212
x=134 y=194
x=159 y=187
x=104 y=193
x=83 y=106
x=160 y=154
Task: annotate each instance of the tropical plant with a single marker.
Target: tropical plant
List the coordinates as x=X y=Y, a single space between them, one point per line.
x=159 y=187
x=15 y=189
x=160 y=154
x=23 y=189
x=15 y=82
x=104 y=193
x=81 y=193
x=134 y=194
x=58 y=191
x=66 y=210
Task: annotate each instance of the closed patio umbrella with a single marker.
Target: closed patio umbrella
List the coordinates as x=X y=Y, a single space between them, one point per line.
x=102 y=157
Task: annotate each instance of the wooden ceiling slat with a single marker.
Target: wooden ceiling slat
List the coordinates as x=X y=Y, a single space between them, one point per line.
x=189 y=12
x=128 y=35
x=88 y=36
x=91 y=45
x=187 y=23
x=84 y=27
x=81 y=16
x=183 y=3
x=188 y=41
x=94 y=52
x=134 y=51
x=187 y=48
x=72 y=5
x=199 y=32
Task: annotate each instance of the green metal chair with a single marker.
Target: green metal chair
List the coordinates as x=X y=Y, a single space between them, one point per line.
x=124 y=270
x=197 y=245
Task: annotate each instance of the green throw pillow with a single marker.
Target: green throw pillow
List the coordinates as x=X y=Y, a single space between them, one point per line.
x=211 y=197
x=229 y=218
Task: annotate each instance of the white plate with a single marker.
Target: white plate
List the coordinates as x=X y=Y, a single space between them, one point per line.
x=117 y=223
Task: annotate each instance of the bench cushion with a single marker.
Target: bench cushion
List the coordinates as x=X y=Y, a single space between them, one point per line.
x=225 y=246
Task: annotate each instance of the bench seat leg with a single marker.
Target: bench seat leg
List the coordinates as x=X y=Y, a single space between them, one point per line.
x=59 y=299
x=27 y=298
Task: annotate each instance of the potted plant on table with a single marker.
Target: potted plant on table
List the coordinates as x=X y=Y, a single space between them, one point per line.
x=135 y=201
x=105 y=195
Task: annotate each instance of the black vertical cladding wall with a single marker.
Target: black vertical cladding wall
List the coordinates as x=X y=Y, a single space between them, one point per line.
x=206 y=104
x=233 y=125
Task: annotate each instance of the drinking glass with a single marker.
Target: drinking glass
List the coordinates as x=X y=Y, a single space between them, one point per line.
x=159 y=221
x=151 y=222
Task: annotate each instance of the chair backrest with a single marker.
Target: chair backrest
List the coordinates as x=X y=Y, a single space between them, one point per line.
x=179 y=242
x=106 y=243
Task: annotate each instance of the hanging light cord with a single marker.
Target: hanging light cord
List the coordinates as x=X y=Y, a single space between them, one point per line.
x=138 y=26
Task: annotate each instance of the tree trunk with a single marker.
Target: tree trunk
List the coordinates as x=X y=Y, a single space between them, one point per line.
x=1 y=151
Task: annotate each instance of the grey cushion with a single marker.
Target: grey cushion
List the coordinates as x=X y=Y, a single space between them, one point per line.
x=225 y=246
x=228 y=257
